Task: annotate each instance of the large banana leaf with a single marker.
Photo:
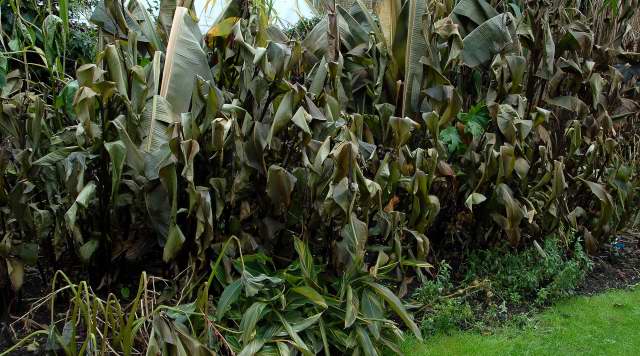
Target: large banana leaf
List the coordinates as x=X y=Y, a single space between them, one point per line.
x=147 y=25
x=155 y=120
x=114 y=19
x=184 y=61
x=416 y=47
x=388 y=11
x=487 y=40
x=469 y=14
x=166 y=14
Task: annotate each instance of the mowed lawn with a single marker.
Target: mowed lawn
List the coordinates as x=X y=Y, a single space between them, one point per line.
x=607 y=324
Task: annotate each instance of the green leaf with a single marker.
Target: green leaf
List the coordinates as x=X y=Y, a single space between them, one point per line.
x=371 y=308
x=351 y=311
x=451 y=138
x=54 y=157
x=365 y=342
x=476 y=120
x=305 y=259
x=474 y=199
x=254 y=284
x=394 y=302
x=250 y=320
x=298 y=342
x=474 y=128
x=64 y=100
x=175 y=240
x=88 y=249
x=86 y=195
x=3 y=70
x=227 y=298
x=312 y=295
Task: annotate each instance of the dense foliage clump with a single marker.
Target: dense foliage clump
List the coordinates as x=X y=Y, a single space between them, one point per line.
x=302 y=186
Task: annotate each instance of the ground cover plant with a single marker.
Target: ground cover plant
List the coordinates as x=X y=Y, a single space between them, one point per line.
x=499 y=286
x=603 y=324
x=293 y=190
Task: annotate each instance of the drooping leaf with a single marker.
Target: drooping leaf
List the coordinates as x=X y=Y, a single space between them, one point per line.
x=175 y=240
x=394 y=302
x=15 y=270
x=118 y=153
x=88 y=249
x=282 y=116
x=280 y=184
x=488 y=39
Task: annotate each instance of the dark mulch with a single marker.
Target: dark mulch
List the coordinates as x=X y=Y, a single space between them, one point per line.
x=616 y=267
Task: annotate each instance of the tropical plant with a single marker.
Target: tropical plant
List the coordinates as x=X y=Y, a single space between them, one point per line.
x=339 y=165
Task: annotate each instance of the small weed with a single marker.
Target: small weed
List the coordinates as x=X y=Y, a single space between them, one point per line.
x=447 y=316
x=431 y=291
x=509 y=279
x=542 y=276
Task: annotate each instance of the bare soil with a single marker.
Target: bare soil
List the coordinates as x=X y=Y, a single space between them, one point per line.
x=617 y=266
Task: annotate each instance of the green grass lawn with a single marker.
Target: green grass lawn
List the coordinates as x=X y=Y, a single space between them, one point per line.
x=607 y=324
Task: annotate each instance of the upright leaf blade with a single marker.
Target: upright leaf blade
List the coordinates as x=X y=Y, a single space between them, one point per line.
x=185 y=59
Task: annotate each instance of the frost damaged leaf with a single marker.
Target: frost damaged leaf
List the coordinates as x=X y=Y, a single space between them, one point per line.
x=548 y=55
x=118 y=153
x=571 y=103
x=342 y=195
x=175 y=240
x=88 y=249
x=282 y=116
x=488 y=39
x=280 y=184
x=351 y=248
x=15 y=269
x=301 y=119
x=401 y=128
